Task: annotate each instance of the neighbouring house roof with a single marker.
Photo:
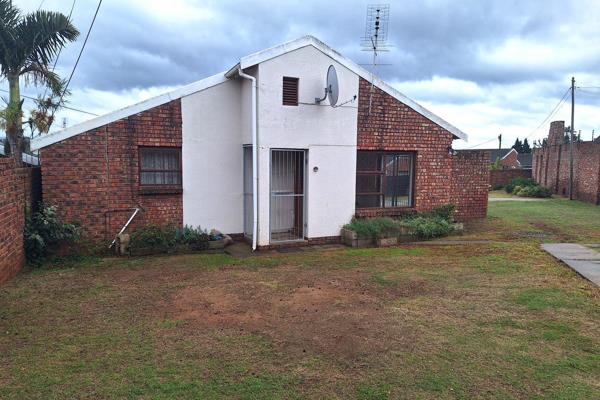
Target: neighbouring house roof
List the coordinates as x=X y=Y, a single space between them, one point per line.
x=497 y=154
x=245 y=62
x=525 y=159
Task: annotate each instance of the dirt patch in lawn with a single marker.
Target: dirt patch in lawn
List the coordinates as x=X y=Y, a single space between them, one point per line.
x=343 y=314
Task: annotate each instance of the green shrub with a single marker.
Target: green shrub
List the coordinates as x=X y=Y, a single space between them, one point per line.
x=518 y=181
x=43 y=232
x=373 y=227
x=445 y=212
x=427 y=226
x=533 y=191
x=163 y=239
x=498 y=186
x=196 y=238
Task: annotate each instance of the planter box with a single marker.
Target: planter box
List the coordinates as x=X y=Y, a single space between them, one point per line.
x=350 y=238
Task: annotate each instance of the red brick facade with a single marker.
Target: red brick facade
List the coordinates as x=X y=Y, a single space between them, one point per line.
x=93 y=177
x=393 y=126
x=470 y=184
x=511 y=160
x=13 y=188
x=551 y=166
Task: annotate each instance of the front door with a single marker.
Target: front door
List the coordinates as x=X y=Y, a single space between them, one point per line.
x=287 y=195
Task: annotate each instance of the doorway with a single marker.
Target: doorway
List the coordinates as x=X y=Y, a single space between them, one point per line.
x=287 y=214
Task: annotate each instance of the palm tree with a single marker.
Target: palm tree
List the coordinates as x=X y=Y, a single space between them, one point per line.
x=28 y=44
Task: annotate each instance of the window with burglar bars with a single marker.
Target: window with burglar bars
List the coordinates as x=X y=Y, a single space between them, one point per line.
x=160 y=166
x=290 y=91
x=384 y=179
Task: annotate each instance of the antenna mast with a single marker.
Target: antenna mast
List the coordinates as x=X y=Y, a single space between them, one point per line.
x=375 y=39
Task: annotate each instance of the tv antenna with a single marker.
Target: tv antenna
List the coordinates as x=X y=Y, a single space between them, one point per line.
x=375 y=38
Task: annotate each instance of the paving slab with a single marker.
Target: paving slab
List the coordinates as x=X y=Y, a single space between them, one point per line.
x=582 y=259
x=515 y=199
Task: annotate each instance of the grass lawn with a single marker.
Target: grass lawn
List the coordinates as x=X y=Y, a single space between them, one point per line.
x=500 y=319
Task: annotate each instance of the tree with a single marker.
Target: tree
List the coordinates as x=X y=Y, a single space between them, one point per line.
x=518 y=146
x=526 y=148
x=28 y=44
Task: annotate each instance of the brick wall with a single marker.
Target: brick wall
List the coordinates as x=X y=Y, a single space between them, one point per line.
x=470 y=184
x=13 y=183
x=93 y=177
x=551 y=166
x=393 y=126
x=503 y=177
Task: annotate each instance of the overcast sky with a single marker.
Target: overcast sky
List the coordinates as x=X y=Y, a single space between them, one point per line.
x=487 y=67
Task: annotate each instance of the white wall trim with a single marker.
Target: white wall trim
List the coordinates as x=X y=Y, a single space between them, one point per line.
x=49 y=139
x=308 y=40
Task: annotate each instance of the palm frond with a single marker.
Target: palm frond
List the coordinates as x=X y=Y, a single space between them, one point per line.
x=40 y=74
x=9 y=19
x=42 y=34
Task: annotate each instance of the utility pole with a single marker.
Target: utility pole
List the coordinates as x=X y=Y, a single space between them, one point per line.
x=572 y=139
x=499 y=141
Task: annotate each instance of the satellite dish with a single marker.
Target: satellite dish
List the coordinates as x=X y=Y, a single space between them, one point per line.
x=333 y=88
x=332 y=91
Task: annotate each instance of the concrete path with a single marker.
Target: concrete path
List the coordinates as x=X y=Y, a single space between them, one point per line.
x=582 y=259
x=515 y=199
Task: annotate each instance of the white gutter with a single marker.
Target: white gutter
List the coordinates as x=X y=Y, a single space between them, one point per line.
x=254 y=159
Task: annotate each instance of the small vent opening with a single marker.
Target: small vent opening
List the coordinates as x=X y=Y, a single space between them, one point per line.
x=290 y=91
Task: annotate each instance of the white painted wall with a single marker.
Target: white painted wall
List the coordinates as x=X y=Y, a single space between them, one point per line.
x=212 y=158
x=329 y=135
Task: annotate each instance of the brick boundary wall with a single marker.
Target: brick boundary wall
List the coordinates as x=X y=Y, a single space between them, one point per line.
x=551 y=166
x=503 y=177
x=470 y=184
x=14 y=185
x=93 y=177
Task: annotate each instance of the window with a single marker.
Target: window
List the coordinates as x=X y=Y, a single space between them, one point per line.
x=160 y=166
x=290 y=91
x=384 y=179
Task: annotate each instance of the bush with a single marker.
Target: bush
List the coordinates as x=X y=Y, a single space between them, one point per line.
x=43 y=232
x=533 y=191
x=373 y=227
x=445 y=212
x=163 y=239
x=518 y=181
x=428 y=227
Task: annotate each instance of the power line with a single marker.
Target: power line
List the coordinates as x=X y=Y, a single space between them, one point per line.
x=68 y=108
x=82 y=48
x=554 y=110
x=480 y=144
x=60 y=49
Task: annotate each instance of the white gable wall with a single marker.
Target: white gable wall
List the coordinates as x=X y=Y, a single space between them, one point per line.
x=329 y=135
x=212 y=157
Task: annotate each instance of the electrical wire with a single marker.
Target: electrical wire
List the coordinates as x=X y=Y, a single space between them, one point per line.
x=82 y=48
x=68 y=108
x=59 y=50
x=554 y=111
x=481 y=144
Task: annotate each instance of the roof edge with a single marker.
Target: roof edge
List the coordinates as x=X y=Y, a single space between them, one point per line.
x=57 y=136
x=308 y=40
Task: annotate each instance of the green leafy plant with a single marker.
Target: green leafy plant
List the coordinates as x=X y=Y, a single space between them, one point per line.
x=373 y=227
x=164 y=239
x=532 y=191
x=427 y=226
x=43 y=232
x=518 y=181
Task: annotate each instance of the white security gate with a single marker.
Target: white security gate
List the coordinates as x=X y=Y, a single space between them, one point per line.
x=287 y=195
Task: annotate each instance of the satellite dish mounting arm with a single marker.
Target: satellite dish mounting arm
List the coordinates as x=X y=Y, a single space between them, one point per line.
x=327 y=91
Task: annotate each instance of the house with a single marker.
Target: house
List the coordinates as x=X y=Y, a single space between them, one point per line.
x=510 y=158
x=250 y=151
